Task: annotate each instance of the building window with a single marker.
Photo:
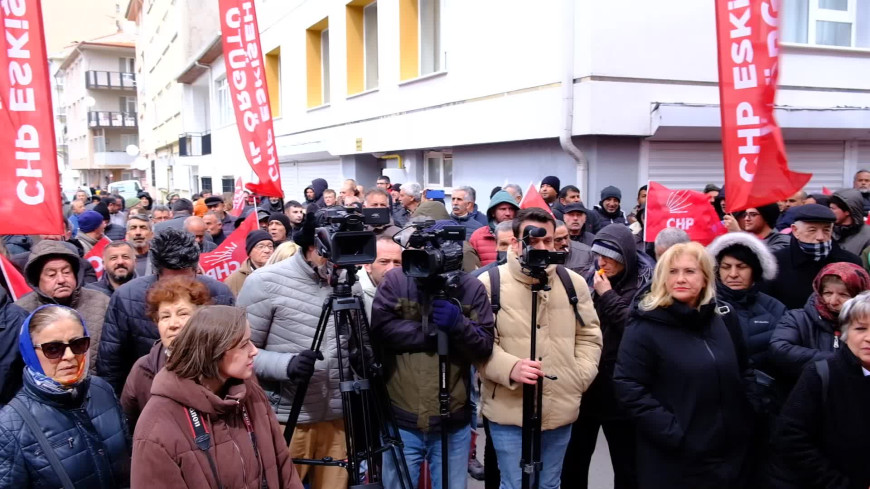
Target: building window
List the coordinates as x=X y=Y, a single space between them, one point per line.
x=438 y=169
x=844 y=23
x=421 y=49
x=127 y=65
x=206 y=184
x=153 y=173
x=127 y=104
x=273 y=80
x=317 y=63
x=362 y=46
x=228 y=185
x=100 y=142
x=224 y=104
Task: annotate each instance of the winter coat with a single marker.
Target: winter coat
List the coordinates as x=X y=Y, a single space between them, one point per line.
x=604 y=218
x=854 y=238
x=800 y=337
x=92 y=305
x=794 y=283
x=483 y=240
x=115 y=232
x=237 y=279
x=758 y=315
x=319 y=185
x=283 y=302
x=679 y=377
x=822 y=438
x=777 y=241
x=11 y=318
x=471 y=224
x=580 y=258
x=586 y=236
x=86 y=428
x=129 y=333
x=177 y=222
x=165 y=453
x=410 y=355
x=570 y=349
x=137 y=388
x=17 y=243
x=103 y=285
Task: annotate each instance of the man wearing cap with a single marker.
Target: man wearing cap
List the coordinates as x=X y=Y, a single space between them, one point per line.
x=216 y=204
x=112 y=231
x=259 y=246
x=607 y=210
x=549 y=190
x=279 y=227
x=502 y=207
x=91 y=228
x=575 y=216
x=850 y=232
x=811 y=248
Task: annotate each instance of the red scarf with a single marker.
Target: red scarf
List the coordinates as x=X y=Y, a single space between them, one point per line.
x=856 y=279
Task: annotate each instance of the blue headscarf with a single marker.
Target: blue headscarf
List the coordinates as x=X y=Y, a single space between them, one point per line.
x=28 y=352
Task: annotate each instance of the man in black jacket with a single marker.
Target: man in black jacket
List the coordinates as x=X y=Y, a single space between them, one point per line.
x=128 y=332
x=11 y=317
x=811 y=249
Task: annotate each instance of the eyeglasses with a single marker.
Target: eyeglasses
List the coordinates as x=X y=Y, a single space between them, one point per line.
x=264 y=247
x=55 y=349
x=750 y=215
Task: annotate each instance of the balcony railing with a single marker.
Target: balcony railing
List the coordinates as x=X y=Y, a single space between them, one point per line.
x=194 y=144
x=103 y=118
x=110 y=79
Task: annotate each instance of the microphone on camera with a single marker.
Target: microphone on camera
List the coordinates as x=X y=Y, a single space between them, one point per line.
x=534 y=232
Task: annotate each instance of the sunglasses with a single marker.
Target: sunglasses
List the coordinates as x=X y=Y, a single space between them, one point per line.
x=55 y=349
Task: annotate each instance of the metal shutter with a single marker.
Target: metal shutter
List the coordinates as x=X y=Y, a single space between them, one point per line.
x=295 y=176
x=692 y=165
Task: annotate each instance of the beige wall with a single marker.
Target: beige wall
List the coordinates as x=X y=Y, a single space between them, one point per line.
x=69 y=21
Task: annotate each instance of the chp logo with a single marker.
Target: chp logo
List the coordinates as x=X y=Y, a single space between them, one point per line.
x=221 y=263
x=679 y=202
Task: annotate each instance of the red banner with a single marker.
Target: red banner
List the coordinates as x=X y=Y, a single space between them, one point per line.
x=532 y=198
x=756 y=168
x=688 y=210
x=16 y=285
x=240 y=38
x=238 y=199
x=95 y=256
x=229 y=256
x=29 y=180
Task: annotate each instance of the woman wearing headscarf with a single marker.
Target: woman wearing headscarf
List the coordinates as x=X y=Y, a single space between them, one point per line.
x=63 y=428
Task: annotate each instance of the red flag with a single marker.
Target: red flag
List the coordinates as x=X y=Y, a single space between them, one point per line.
x=229 y=256
x=245 y=74
x=238 y=199
x=95 y=256
x=826 y=191
x=532 y=198
x=15 y=283
x=756 y=168
x=688 y=210
x=29 y=180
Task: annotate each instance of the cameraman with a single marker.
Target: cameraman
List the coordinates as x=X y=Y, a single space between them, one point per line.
x=284 y=303
x=411 y=365
x=568 y=349
x=389 y=256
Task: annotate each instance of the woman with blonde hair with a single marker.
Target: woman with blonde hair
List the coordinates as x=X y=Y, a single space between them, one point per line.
x=282 y=252
x=208 y=423
x=679 y=378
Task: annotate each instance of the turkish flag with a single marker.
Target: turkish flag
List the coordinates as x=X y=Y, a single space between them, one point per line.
x=532 y=198
x=238 y=199
x=688 y=210
x=229 y=256
x=756 y=168
x=29 y=181
x=95 y=256
x=15 y=282
x=826 y=191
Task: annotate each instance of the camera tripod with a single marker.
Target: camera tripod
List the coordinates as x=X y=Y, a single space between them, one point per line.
x=533 y=396
x=375 y=431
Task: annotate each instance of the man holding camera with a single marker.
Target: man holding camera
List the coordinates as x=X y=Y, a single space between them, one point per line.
x=568 y=349
x=411 y=359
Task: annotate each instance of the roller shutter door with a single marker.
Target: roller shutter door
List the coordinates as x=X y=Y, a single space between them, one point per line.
x=693 y=165
x=295 y=176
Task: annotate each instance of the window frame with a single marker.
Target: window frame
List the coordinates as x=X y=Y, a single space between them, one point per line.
x=817 y=14
x=223 y=101
x=366 y=50
x=441 y=157
x=440 y=56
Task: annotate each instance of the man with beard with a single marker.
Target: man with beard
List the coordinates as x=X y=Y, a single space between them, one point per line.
x=295 y=212
x=118 y=267
x=214 y=228
x=580 y=256
x=608 y=209
x=139 y=236
x=861 y=183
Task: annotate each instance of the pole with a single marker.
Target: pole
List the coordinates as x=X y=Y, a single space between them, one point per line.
x=533 y=395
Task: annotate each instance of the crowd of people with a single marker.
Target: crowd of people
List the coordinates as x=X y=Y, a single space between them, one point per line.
x=740 y=364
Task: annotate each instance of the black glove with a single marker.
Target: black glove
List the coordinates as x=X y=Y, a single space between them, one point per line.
x=301 y=367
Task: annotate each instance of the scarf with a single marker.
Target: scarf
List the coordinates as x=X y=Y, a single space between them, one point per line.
x=33 y=369
x=818 y=251
x=854 y=277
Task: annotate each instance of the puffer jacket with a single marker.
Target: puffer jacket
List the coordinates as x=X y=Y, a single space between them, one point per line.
x=570 y=349
x=129 y=333
x=11 y=318
x=604 y=218
x=411 y=356
x=802 y=336
x=165 y=453
x=483 y=240
x=137 y=388
x=856 y=237
x=91 y=304
x=283 y=302
x=237 y=279
x=758 y=315
x=86 y=428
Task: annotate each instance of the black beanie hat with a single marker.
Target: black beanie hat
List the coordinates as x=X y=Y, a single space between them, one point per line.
x=611 y=191
x=745 y=255
x=552 y=181
x=770 y=213
x=103 y=209
x=255 y=237
x=283 y=219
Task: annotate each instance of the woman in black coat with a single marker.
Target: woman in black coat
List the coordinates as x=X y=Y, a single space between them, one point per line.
x=679 y=377
x=824 y=433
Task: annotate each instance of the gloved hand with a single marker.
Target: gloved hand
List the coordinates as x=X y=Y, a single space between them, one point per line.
x=301 y=367
x=446 y=315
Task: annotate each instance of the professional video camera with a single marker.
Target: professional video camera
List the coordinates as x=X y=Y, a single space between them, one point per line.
x=539 y=259
x=433 y=253
x=344 y=241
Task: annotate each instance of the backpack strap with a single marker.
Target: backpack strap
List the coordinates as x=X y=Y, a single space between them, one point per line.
x=494 y=290
x=825 y=375
x=565 y=277
x=33 y=425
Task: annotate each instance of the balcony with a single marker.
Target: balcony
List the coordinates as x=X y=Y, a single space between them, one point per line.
x=194 y=144
x=103 y=118
x=112 y=80
x=113 y=159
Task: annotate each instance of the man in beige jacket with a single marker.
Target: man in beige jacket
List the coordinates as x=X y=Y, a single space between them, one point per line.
x=568 y=350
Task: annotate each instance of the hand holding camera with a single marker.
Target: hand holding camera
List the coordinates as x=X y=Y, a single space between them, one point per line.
x=302 y=365
x=446 y=315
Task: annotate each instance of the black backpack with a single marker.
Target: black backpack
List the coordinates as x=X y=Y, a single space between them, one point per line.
x=564 y=277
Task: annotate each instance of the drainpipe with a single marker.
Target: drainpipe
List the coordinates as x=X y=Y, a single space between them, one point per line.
x=567 y=126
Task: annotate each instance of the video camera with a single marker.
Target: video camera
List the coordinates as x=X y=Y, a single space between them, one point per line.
x=344 y=241
x=539 y=259
x=433 y=253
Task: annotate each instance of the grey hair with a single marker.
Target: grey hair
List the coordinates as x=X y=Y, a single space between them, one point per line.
x=140 y=218
x=160 y=208
x=668 y=237
x=470 y=193
x=514 y=186
x=504 y=227
x=559 y=223
x=856 y=308
x=413 y=189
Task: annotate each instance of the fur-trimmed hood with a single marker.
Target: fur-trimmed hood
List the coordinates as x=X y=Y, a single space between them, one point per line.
x=769 y=267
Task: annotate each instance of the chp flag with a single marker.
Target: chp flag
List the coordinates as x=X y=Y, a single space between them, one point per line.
x=15 y=282
x=238 y=199
x=532 y=198
x=229 y=256
x=29 y=180
x=95 y=256
x=246 y=74
x=688 y=210
x=756 y=167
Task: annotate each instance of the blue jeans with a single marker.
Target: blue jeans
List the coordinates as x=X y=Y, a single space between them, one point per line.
x=507 y=441
x=421 y=446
